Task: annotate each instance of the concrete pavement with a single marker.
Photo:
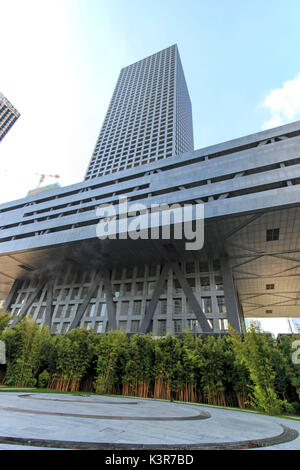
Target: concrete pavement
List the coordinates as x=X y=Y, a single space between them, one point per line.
x=116 y=421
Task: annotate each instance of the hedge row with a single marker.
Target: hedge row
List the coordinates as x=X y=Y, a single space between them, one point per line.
x=250 y=371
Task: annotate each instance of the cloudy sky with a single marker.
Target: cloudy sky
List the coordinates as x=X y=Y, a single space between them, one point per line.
x=60 y=61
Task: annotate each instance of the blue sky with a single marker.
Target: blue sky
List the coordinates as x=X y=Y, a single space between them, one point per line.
x=60 y=61
x=234 y=52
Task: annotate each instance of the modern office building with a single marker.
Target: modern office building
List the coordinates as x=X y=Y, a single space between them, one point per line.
x=149 y=116
x=54 y=267
x=8 y=116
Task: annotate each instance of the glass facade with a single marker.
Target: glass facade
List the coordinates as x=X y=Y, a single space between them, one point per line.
x=149 y=116
x=132 y=299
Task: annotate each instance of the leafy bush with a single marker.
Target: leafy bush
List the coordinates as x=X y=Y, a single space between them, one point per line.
x=243 y=371
x=43 y=379
x=23 y=347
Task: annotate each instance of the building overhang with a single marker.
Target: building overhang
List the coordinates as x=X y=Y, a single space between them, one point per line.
x=247 y=186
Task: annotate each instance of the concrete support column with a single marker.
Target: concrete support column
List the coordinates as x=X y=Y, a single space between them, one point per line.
x=192 y=299
x=49 y=303
x=155 y=326
x=9 y=301
x=110 y=304
x=216 y=325
x=233 y=314
x=154 y=301
x=82 y=307
x=170 y=302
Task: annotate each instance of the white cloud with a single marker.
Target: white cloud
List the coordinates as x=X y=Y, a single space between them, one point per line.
x=283 y=104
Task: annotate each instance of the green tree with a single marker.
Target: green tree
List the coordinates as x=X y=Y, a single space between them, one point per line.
x=138 y=373
x=188 y=376
x=74 y=352
x=236 y=377
x=255 y=351
x=112 y=356
x=292 y=369
x=167 y=366
x=24 y=343
x=211 y=366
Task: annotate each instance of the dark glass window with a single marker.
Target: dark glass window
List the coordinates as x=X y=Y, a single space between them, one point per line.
x=272 y=234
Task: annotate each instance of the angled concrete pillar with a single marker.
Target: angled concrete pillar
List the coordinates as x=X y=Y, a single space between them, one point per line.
x=49 y=303
x=82 y=307
x=9 y=301
x=154 y=300
x=231 y=301
x=192 y=299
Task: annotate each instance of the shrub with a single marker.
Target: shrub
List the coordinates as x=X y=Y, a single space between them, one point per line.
x=43 y=379
x=255 y=351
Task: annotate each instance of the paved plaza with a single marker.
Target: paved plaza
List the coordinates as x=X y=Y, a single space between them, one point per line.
x=82 y=421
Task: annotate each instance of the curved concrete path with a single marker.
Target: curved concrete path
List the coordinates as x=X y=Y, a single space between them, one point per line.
x=90 y=422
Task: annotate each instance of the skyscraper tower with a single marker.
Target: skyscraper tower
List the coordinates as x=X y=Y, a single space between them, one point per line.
x=8 y=116
x=149 y=116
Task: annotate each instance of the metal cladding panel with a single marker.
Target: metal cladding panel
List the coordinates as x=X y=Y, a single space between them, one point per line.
x=260 y=178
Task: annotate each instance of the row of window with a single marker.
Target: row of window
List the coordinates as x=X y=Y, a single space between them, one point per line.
x=147 y=94
x=137 y=105
x=138 y=272
x=137 y=288
x=150 y=67
x=114 y=161
x=130 y=146
x=145 y=159
x=140 y=139
x=143 y=128
x=130 y=119
x=132 y=128
x=191 y=267
x=124 y=150
x=146 y=83
x=177 y=308
x=126 y=307
x=178 y=326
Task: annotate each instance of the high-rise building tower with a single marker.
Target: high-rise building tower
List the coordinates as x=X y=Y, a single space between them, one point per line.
x=149 y=116
x=8 y=116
